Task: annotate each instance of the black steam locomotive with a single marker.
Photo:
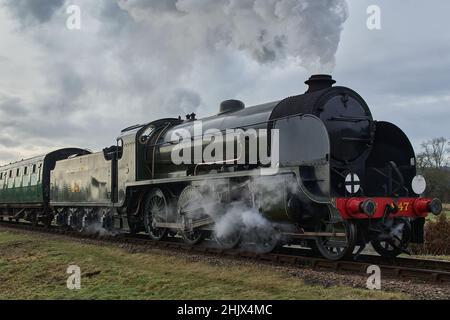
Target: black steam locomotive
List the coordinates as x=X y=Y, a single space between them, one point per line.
x=314 y=170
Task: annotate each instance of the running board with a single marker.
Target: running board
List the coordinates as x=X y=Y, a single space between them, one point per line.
x=180 y=226
x=208 y=222
x=314 y=234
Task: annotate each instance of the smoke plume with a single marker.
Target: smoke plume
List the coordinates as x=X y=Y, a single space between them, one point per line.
x=267 y=30
x=139 y=60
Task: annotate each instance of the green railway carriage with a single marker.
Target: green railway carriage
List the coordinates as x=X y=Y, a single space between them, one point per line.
x=21 y=182
x=26 y=184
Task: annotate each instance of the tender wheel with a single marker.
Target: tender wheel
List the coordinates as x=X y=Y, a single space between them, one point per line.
x=107 y=220
x=90 y=221
x=395 y=241
x=155 y=210
x=336 y=247
x=75 y=220
x=61 y=218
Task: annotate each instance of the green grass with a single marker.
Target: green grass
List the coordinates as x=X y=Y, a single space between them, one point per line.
x=33 y=267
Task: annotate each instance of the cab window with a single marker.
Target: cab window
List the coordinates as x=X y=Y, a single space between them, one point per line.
x=119 y=149
x=145 y=136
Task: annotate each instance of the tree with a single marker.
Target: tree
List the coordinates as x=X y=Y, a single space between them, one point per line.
x=435 y=153
x=432 y=163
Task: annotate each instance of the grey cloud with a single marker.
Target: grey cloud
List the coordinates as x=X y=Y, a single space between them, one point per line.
x=9 y=156
x=115 y=19
x=6 y=141
x=12 y=107
x=136 y=61
x=151 y=5
x=34 y=11
x=182 y=102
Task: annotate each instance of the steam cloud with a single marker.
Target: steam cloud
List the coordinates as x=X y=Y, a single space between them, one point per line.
x=139 y=60
x=242 y=216
x=267 y=30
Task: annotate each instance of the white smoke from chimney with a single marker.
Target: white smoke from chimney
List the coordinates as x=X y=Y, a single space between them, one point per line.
x=269 y=31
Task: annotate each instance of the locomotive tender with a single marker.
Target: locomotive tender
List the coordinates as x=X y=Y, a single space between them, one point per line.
x=343 y=180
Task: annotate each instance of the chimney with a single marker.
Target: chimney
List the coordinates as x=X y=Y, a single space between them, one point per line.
x=319 y=82
x=230 y=106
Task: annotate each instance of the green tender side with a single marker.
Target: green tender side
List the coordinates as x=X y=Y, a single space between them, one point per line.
x=21 y=182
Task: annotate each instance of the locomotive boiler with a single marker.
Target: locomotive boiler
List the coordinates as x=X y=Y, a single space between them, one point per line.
x=313 y=170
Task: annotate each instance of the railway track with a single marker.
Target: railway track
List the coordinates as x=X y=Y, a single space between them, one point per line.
x=432 y=271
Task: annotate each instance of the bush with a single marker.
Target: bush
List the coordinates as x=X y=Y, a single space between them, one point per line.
x=437 y=238
x=438 y=183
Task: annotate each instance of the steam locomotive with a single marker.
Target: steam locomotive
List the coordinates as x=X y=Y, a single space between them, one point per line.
x=335 y=181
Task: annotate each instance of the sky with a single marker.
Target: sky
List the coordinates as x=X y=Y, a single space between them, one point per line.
x=134 y=61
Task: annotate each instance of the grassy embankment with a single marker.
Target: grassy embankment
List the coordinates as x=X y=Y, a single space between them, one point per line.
x=437 y=237
x=34 y=267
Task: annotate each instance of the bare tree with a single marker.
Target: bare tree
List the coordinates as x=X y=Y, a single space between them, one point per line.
x=422 y=161
x=448 y=153
x=435 y=153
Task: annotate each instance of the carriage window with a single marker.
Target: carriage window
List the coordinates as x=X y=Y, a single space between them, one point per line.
x=34 y=168
x=25 y=171
x=10 y=173
x=17 y=172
